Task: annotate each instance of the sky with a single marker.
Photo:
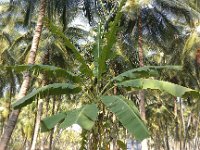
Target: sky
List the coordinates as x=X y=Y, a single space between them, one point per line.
x=2 y=1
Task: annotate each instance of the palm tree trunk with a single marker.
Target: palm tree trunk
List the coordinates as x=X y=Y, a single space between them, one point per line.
x=186 y=140
x=52 y=131
x=182 y=133
x=45 y=60
x=176 y=135
x=141 y=63
x=10 y=125
x=141 y=55
x=37 y=124
x=141 y=92
x=115 y=126
x=196 y=138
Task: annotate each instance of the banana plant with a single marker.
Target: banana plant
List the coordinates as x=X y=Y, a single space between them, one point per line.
x=97 y=84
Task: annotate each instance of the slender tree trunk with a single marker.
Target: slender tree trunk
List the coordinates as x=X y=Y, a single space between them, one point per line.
x=141 y=63
x=52 y=131
x=37 y=124
x=142 y=104
x=140 y=49
x=115 y=126
x=176 y=135
x=45 y=60
x=186 y=140
x=56 y=110
x=10 y=125
x=182 y=134
x=141 y=92
x=196 y=132
x=167 y=138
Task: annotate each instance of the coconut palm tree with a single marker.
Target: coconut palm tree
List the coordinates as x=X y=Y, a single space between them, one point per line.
x=9 y=127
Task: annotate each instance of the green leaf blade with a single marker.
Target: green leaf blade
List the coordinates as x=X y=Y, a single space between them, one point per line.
x=51 y=89
x=146 y=71
x=128 y=115
x=50 y=122
x=58 y=33
x=163 y=86
x=106 y=51
x=84 y=116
